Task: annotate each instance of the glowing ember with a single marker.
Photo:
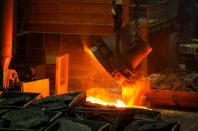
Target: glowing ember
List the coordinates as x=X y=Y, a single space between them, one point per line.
x=132 y=95
x=118 y=103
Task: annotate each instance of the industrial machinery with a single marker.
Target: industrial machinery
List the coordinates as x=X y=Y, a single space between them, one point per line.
x=6 y=30
x=133 y=49
x=121 y=52
x=189 y=56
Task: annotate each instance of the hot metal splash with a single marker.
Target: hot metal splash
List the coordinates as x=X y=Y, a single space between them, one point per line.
x=130 y=95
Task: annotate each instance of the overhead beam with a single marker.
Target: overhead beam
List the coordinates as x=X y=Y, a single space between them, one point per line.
x=70 y=28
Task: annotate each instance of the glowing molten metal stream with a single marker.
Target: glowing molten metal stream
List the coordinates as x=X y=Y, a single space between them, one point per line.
x=118 y=103
x=132 y=95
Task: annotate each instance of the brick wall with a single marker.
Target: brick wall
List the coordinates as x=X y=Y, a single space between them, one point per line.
x=158 y=60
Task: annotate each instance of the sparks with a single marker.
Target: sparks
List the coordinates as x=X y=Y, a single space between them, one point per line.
x=131 y=96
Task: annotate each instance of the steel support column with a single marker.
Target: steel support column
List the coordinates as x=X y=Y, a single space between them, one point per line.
x=6 y=32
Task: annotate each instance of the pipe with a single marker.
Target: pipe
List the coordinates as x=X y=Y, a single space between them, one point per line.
x=6 y=33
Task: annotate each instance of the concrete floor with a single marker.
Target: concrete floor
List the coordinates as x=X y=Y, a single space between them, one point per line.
x=189 y=120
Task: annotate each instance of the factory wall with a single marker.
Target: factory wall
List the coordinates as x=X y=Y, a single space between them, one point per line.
x=68 y=16
x=158 y=60
x=50 y=23
x=40 y=51
x=84 y=71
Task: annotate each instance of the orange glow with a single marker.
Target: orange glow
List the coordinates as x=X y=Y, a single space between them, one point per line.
x=141 y=56
x=6 y=40
x=132 y=95
x=7 y=31
x=39 y=86
x=61 y=81
x=135 y=94
x=118 y=103
x=87 y=50
x=98 y=68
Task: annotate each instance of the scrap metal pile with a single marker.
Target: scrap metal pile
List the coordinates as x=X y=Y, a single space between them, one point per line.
x=71 y=112
x=178 y=89
x=27 y=118
x=175 y=81
x=14 y=101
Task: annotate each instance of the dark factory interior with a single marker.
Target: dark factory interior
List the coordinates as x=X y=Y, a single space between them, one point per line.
x=99 y=65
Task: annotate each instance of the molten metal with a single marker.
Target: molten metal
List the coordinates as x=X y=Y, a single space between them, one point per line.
x=132 y=95
x=118 y=103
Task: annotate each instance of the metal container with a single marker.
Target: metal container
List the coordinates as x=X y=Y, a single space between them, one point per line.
x=60 y=102
x=173 y=98
x=93 y=125
x=9 y=99
x=133 y=49
x=52 y=115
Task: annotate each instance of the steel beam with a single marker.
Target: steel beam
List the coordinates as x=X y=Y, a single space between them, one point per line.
x=70 y=28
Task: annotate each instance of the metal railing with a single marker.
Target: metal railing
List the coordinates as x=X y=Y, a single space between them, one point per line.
x=149 y=13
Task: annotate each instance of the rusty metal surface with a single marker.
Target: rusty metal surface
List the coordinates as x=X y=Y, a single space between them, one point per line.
x=28 y=119
x=89 y=14
x=62 y=68
x=174 y=90
x=11 y=80
x=60 y=102
x=6 y=36
x=6 y=32
x=38 y=86
x=133 y=49
x=173 y=99
x=77 y=124
x=13 y=99
x=98 y=118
